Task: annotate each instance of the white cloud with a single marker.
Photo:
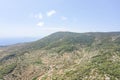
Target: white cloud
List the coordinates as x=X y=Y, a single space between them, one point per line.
x=39 y=16
x=50 y=13
x=40 y=24
x=64 y=18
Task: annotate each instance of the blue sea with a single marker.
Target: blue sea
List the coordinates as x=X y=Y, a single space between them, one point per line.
x=10 y=41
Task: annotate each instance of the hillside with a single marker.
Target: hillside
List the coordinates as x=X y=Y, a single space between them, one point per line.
x=63 y=56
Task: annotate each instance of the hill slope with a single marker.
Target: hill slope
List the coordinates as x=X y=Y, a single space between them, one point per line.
x=63 y=56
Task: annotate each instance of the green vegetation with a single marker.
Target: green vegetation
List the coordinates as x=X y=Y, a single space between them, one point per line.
x=64 y=56
x=7 y=69
x=34 y=78
x=106 y=65
x=38 y=62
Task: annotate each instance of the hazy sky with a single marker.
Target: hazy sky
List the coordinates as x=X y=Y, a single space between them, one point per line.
x=37 y=18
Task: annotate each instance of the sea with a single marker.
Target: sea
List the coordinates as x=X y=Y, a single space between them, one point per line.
x=11 y=41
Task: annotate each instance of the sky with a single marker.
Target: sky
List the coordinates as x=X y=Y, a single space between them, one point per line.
x=38 y=18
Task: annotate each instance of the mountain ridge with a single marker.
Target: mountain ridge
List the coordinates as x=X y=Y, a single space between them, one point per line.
x=63 y=56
